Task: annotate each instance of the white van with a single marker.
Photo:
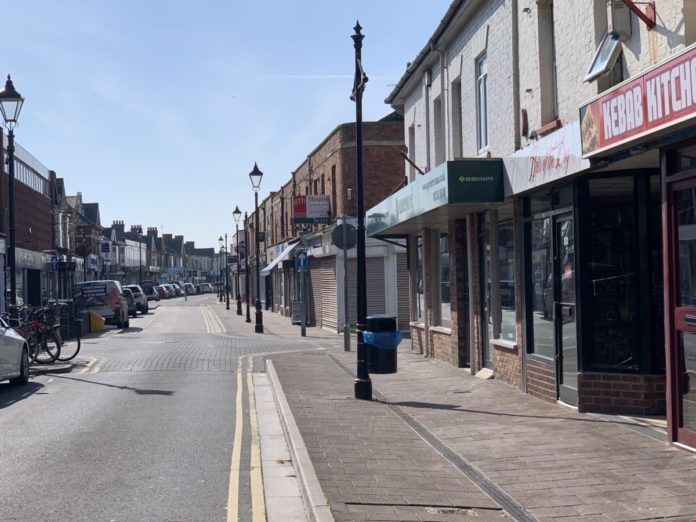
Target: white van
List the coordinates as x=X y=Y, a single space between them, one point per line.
x=104 y=298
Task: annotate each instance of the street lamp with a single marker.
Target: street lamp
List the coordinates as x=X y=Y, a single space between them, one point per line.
x=140 y=255
x=221 y=243
x=255 y=177
x=11 y=104
x=246 y=267
x=362 y=384
x=227 y=280
x=237 y=214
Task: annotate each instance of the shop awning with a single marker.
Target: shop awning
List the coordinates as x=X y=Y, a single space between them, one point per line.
x=283 y=255
x=449 y=191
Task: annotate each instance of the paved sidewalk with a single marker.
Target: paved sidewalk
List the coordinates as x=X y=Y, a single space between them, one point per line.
x=549 y=459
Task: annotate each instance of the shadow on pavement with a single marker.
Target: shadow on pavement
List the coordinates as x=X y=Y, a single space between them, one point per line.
x=456 y=407
x=130 y=329
x=10 y=394
x=139 y=391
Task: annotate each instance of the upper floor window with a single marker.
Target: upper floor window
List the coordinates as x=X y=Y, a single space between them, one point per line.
x=605 y=58
x=439 y=127
x=482 y=101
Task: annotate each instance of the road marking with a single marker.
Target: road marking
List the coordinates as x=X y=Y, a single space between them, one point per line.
x=258 y=501
x=89 y=365
x=212 y=322
x=233 y=492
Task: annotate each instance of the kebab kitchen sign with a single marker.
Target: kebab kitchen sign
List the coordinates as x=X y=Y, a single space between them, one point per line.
x=662 y=97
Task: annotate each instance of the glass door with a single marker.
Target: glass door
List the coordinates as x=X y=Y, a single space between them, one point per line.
x=564 y=309
x=683 y=353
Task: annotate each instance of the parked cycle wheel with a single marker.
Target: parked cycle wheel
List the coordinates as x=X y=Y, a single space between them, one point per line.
x=33 y=348
x=69 y=349
x=49 y=348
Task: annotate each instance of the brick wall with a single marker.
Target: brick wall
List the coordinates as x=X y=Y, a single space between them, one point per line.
x=541 y=379
x=508 y=365
x=621 y=393
x=417 y=339
x=441 y=347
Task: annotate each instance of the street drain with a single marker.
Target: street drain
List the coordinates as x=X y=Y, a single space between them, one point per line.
x=433 y=509
x=337 y=397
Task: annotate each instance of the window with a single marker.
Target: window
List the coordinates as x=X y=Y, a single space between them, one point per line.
x=604 y=59
x=506 y=274
x=411 y=153
x=420 y=295
x=444 y=269
x=439 y=125
x=482 y=101
x=457 y=119
x=547 y=62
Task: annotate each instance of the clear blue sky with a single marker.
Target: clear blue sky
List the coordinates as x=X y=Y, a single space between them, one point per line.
x=158 y=109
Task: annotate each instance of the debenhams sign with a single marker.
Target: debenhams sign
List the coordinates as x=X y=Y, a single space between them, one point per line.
x=662 y=97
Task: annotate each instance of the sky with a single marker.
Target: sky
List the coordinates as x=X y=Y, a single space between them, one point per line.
x=158 y=109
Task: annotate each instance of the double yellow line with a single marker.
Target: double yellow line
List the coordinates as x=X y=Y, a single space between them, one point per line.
x=258 y=503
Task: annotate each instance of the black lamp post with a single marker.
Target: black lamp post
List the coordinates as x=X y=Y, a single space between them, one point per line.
x=140 y=255
x=223 y=246
x=362 y=383
x=11 y=104
x=237 y=214
x=84 y=253
x=255 y=177
x=246 y=267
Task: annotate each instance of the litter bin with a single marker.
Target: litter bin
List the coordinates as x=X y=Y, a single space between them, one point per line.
x=381 y=338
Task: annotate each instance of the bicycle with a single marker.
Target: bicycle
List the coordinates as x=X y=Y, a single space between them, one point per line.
x=47 y=332
x=30 y=324
x=71 y=347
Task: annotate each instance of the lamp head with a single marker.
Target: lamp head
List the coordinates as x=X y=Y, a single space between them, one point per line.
x=255 y=177
x=10 y=103
x=237 y=214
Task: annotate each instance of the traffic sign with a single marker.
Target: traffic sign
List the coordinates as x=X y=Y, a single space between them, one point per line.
x=350 y=234
x=301 y=260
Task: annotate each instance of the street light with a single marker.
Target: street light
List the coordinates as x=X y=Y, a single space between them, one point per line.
x=237 y=214
x=221 y=243
x=140 y=255
x=362 y=384
x=11 y=104
x=227 y=280
x=246 y=267
x=255 y=177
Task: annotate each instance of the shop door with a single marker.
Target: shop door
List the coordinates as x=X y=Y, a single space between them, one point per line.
x=564 y=309
x=682 y=273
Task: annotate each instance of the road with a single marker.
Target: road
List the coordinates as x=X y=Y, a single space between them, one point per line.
x=144 y=429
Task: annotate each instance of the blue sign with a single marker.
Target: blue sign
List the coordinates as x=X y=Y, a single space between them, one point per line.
x=301 y=260
x=54 y=263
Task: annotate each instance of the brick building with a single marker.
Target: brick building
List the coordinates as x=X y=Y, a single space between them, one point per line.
x=535 y=131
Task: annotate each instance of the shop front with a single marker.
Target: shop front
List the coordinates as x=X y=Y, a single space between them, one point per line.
x=649 y=121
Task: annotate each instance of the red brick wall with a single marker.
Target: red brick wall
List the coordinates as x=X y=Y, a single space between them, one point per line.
x=417 y=339
x=541 y=379
x=458 y=292
x=508 y=365
x=442 y=347
x=621 y=393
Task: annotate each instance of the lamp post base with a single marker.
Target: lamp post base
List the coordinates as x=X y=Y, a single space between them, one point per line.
x=258 y=327
x=363 y=389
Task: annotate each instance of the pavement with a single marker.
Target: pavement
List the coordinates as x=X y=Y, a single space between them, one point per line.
x=438 y=444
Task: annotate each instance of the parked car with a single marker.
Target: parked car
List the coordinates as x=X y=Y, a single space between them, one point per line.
x=104 y=297
x=140 y=299
x=206 y=288
x=14 y=356
x=171 y=291
x=130 y=299
x=162 y=292
x=151 y=294
x=189 y=289
x=178 y=291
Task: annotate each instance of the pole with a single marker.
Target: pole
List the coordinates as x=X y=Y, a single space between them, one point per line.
x=246 y=267
x=84 y=254
x=362 y=383
x=13 y=238
x=239 y=294
x=303 y=321
x=259 y=313
x=346 y=322
x=227 y=277
x=140 y=256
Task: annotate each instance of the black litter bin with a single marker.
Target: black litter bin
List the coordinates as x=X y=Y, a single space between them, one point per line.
x=382 y=338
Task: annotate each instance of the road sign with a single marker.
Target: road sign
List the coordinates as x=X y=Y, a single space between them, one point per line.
x=350 y=234
x=54 y=263
x=301 y=260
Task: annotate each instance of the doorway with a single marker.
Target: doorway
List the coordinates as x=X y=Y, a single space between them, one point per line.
x=564 y=309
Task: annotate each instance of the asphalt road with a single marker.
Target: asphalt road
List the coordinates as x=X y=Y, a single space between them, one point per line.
x=143 y=431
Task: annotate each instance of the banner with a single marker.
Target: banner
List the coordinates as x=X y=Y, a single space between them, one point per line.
x=311 y=209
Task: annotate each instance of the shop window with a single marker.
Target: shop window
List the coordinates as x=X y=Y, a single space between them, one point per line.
x=444 y=269
x=540 y=235
x=506 y=274
x=686 y=221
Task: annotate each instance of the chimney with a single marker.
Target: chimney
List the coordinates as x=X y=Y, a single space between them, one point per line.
x=135 y=229
x=190 y=245
x=152 y=231
x=179 y=238
x=167 y=237
x=119 y=226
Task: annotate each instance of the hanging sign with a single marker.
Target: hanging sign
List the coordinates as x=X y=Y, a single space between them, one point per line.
x=311 y=209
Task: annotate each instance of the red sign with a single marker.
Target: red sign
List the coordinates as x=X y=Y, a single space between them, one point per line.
x=663 y=96
x=311 y=209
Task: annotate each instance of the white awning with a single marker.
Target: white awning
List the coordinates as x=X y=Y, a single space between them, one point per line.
x=284 y=254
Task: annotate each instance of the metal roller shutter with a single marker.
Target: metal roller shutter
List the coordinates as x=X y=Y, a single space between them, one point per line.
x=329 y=297
x=314 y=291
x=375 y=287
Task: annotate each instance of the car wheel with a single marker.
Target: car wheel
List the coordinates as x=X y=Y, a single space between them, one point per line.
x=23 y=370
x=134 y=313
x=147 y=308
x=127 y=323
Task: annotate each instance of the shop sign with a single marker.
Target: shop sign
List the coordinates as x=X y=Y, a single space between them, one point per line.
x=311 y=209
x=662 y=97
x=551 y=158
x=460 y=181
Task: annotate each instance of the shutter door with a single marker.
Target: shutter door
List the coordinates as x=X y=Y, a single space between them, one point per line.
x=314 y=291
x=402 y=292
x=375 y=287
x=352 y=292
x=329 y=297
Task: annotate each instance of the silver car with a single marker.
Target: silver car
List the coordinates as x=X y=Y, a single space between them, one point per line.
x=14 y=356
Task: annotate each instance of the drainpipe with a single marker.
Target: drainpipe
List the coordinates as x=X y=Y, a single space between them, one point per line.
x=516 y=73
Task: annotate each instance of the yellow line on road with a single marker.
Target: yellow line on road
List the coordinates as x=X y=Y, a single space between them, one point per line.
x=258 y=501
x=233 y=493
